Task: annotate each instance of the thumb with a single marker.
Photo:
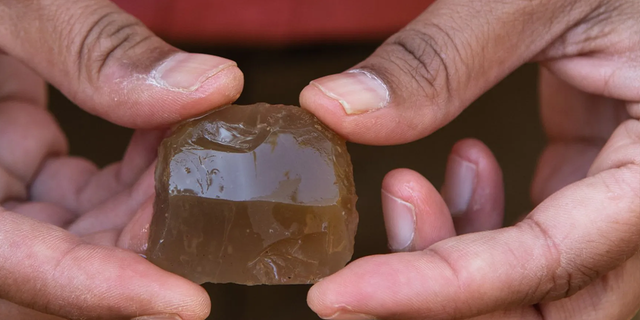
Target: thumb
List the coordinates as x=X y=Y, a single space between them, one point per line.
x=110 y=64
x=47 y=269
x=426 y=74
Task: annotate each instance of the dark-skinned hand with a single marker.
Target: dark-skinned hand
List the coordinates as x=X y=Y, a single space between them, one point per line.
x=575 y=256
x=69 y=232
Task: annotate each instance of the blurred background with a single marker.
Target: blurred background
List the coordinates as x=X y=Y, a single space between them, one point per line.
x=277 y=68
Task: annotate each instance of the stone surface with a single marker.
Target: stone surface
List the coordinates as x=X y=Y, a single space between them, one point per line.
x=259 y=194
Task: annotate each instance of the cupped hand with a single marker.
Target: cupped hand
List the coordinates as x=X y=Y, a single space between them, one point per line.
x=70 y=232
x=575 y=256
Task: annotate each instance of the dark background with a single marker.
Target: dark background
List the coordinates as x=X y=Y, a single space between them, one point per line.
x=505 y=118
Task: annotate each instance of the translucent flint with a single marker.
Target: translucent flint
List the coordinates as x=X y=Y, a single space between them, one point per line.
x=259 y=194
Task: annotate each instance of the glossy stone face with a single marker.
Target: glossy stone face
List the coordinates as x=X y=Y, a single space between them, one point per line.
x=259 y=194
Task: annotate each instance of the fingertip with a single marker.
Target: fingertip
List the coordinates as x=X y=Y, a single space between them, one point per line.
x=140 y=100
x=373 y=286
x=473 y=187
x=471 y=149
x=199 y=305
x=415 y=214
x=382 y=127
x=174 y=294
x=489 y=171
x=194 y=300
x=316 y=301
x=327 y=109
x=344 y=293
x=221 y=89
x=403 y=181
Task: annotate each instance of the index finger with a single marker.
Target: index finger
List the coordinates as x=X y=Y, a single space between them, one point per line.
x=44 y=268
x=575 y=236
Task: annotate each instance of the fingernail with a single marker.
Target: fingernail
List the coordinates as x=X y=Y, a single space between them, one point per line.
x=159 y=317
x=399 y=220
x=459 y=182
x=341 y=315
x=188 y=71
x=358 y=91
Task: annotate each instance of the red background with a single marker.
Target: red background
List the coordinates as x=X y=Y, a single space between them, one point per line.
x=273 y=21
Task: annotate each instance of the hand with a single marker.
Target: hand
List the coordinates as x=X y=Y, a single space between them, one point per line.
x=69 y=231
x=575 y=256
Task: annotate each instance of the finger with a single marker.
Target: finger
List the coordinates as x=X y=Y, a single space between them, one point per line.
x=13 y=311
x=20 y=83
x=116 y=213
x=28 y=133
x=615 y=295
x=634 y=109
x=426 y=74
x=473 y=188
x=572 y=238
x=139 y=156
x=46 y=269
x=64 y=181
x=42 y=211
x=77 y=185
x=108 y=63
x=28 y=136
x=414 y=213
x=602 y=74
x=141 y=153
x=528 y=313
x=11 y=187
x=577 y=125
x=135 y=236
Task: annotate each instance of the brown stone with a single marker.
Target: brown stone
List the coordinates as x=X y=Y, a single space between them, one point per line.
x=259 y=194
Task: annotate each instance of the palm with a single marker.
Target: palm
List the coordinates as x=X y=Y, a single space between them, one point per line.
x=95 y=204
x=99 y=206
x=39 y=180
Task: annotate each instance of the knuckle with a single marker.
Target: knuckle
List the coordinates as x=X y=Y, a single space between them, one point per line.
x=631 y=129
x=561 y=279
x=623 y=155
x=111 y=35
x=570 y=271
x=623 y=186
x=425 y=59
x=453 y=268
x=569 y=280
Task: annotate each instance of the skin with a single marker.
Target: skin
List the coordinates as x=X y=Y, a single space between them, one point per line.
x=575 y=256
x=70 y=231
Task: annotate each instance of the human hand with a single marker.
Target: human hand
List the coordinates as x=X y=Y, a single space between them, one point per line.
x=70 y=231
x=575 y=256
